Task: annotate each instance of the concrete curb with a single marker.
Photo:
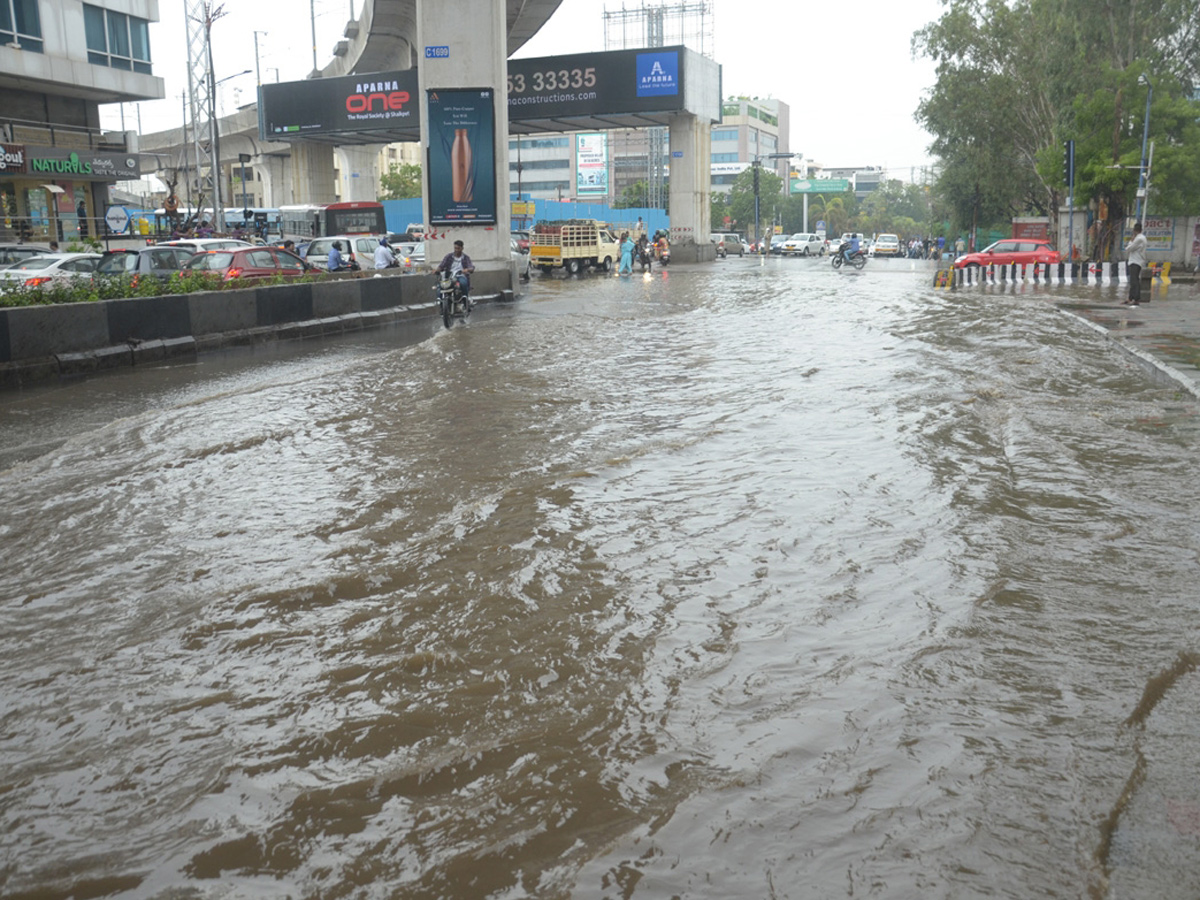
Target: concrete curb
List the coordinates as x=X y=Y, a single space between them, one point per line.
x=1159 y=371
x=41 y=343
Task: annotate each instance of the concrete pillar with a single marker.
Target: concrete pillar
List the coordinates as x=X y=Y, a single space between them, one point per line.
x=276 y=172
x=691 y=189
x=474 y=35
x=312 y=173
x=359 y=165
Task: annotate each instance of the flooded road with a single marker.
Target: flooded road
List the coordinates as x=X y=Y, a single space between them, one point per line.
x=755 y=580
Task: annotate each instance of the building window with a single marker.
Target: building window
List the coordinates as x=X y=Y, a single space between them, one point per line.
x=725 y=134
x=540 y=143
x=20 y=24
x=115 y=39
x=724 y=157
x=530 y=164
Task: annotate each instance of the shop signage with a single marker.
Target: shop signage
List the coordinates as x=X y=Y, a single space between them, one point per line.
x=12 y=158
x=117 y=219
x=57 y=163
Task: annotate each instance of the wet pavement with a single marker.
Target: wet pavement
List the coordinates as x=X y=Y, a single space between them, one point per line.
x=1162 y=334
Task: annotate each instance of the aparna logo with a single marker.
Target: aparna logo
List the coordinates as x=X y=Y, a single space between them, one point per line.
x=377 y=96
x=658 y=74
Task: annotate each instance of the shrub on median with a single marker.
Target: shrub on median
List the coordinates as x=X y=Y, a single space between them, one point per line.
x=89 y=290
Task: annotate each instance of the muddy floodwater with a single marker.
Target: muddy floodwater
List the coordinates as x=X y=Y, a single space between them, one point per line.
x=749 y=580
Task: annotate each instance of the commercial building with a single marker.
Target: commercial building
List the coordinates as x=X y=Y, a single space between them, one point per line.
x=58 y=62
x=553 y=167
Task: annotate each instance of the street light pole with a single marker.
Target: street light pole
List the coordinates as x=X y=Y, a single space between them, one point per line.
x=257 y=70
x=1142 y=79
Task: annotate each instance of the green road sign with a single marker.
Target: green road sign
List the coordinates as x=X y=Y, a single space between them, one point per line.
x=818 y=185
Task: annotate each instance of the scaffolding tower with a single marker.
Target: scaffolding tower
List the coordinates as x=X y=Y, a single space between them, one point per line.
x=198 y=18
x=689 y=23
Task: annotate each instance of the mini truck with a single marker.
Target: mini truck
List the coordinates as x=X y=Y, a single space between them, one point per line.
x=575 y=246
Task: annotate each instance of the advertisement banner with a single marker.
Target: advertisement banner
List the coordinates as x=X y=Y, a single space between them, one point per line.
x=461 y=175
x=586 y=84
x=591 y=164
x=348 y=103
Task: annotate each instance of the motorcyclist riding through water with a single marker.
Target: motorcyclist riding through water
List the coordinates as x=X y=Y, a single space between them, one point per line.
x=850 y=247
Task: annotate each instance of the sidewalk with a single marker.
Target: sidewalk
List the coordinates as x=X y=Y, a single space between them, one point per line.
x=1162 y=335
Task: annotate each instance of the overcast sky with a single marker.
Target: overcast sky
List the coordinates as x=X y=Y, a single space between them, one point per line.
x=806 y=54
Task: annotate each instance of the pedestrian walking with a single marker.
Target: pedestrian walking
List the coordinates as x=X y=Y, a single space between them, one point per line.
x=626 y=255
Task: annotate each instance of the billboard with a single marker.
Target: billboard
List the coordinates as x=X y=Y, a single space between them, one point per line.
x=581 y=84
x=585 y=84
x=591 y=164
x=461 y=175
x=381 y=100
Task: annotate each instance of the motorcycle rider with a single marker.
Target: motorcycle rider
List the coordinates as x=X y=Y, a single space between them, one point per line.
x=384 y=257
x=850 y=247
x=459 y=267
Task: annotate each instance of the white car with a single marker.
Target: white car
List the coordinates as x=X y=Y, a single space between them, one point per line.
x=523 y=261
x=356 y=248
x=48 y=268
x=887 y=245
x=196 y=245
x=803 y=244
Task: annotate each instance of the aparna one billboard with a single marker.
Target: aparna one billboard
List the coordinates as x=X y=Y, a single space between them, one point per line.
x=584 y=84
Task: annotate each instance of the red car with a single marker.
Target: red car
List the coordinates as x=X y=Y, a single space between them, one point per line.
x=247 y=262
x=1022 y=251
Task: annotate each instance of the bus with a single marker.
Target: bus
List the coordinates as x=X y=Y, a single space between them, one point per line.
x=303 y=223
x=262 y=222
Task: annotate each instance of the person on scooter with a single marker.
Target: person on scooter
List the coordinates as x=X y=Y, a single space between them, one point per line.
x=459 y=267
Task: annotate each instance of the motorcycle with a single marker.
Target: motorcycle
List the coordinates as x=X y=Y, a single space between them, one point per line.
x=644 y=257
x=858 y=258
x=664 y=255
x=451 y=303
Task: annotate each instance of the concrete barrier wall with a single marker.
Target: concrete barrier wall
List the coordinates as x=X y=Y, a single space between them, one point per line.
x=43 y=342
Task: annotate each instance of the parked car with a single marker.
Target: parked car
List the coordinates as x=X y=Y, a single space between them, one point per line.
x=522 y=259
x=522 y=239
x=1011 y=250
x=888 y=245
x=198 y=244
x=803 y=244
x=247 y=263
x=13 y=253
x=156 y=261
x=356 y=248
x=729 y=243
x=35 y=271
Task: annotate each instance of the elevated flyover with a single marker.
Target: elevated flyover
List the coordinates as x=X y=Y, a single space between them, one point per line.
x=382 y=38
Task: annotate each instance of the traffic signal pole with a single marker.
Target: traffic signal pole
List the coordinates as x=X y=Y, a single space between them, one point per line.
x=1069 y=177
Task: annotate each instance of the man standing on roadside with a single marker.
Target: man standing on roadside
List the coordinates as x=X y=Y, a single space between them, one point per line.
x=1136 y=262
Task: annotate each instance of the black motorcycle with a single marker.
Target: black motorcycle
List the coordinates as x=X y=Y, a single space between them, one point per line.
x=858 y=258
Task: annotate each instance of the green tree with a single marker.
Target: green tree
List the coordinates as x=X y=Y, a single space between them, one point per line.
x=741 y=199
x=402 y=182
x=1016 y=78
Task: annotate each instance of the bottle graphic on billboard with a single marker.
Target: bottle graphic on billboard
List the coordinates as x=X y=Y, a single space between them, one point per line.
x=462 y=184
